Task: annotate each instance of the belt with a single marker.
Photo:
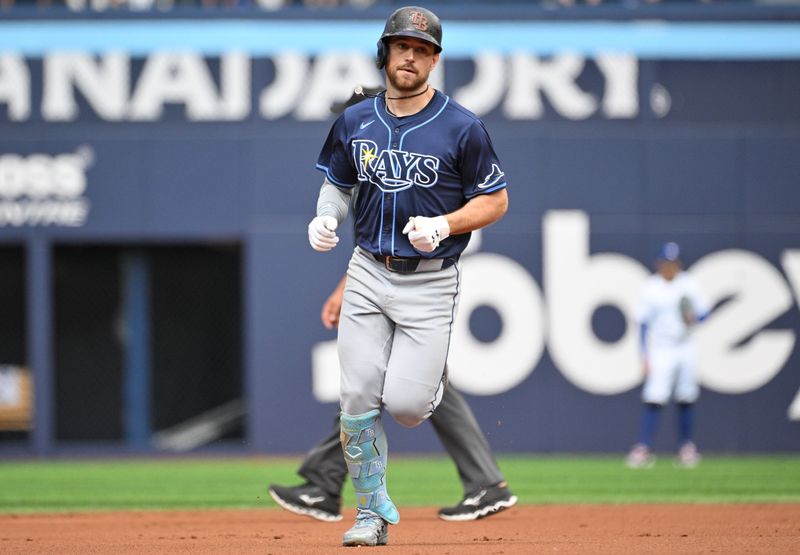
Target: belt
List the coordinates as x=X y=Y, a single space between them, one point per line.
x=411 y=265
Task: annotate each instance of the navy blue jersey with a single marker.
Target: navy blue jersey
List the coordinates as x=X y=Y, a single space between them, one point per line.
x=427 y=164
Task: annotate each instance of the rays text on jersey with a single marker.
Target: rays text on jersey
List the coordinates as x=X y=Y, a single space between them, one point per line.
x=394 y=170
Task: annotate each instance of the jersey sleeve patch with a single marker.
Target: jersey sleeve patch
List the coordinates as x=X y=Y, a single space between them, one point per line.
x=481 y=170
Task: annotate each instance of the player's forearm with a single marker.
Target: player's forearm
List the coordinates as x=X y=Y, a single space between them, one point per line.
x=333 y=201
x=479 y=212
x=340 y=286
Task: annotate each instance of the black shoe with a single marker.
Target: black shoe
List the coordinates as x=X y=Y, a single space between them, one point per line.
x=483 y=502
x=308 y=500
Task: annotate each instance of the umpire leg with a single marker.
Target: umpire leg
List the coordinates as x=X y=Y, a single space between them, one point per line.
x=324 y=464
x=459 y=432
x=324 y=469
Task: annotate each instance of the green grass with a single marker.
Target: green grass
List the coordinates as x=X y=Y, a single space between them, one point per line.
x=241 y=483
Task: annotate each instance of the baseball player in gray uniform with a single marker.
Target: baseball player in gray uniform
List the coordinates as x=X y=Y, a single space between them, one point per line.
x=485 y=490
x=670 y=306
x=427 y=175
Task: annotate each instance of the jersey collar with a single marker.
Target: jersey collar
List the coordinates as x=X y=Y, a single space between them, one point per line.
x=430 y=108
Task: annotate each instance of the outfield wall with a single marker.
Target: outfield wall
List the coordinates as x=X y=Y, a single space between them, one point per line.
x=616 y=135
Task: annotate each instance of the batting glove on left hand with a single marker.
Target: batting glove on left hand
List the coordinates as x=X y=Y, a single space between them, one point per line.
x=322 y=233
x=425 y=234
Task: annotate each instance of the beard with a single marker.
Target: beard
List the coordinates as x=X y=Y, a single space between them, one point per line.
x=406 y=82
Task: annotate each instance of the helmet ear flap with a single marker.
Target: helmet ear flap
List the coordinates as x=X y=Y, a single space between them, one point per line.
x=380 y=58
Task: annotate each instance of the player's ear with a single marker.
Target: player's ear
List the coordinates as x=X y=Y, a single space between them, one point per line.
x=434 y=61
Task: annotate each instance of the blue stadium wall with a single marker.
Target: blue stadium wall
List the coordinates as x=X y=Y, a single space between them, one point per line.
x=616 y=135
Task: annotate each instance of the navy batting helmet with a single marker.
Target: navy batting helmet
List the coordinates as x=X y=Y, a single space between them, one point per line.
x=410 y=21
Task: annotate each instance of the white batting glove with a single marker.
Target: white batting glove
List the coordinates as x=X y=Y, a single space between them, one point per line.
x=425 y=234
x=322 y=233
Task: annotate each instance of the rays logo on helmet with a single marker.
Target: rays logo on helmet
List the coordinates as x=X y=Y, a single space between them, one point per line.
x=419 y=21
x=494 y=177
x=394 y=170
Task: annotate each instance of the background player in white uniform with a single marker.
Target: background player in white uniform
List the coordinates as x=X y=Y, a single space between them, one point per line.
x=670 y=305
x=427 y=175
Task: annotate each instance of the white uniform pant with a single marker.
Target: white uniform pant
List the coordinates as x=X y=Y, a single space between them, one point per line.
x=394 y=335
x=672 y=374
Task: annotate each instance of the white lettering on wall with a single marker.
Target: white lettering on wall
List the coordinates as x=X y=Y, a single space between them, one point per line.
x=531 y=78
x=621 y=97
x=175 y=78
x=576 y=284
x=513 y=355
x=485 y=92
x=15 y=86
x=291 y=71
x=235 y=85
x=43 y=189
x=733 y=355
x=302 y=87
x=526 y=80
x=103 y=82
x=790 y=260
x=325 y=372
x=334 y=77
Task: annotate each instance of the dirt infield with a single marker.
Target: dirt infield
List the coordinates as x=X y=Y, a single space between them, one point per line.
x=525 y=529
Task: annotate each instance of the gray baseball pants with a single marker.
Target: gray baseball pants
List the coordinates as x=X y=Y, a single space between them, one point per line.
x=394 y=334
x=457 y=429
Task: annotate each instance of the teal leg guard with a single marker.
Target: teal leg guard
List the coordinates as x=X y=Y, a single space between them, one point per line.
x=365 y=451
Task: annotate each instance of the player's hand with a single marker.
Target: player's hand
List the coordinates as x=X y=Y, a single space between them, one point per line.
x=333 y=307
x=330 y=312
x=425 y=234
x=322 y=233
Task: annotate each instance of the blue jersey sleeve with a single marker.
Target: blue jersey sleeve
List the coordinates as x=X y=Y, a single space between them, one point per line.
x=335 y=159
x=480 y=167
